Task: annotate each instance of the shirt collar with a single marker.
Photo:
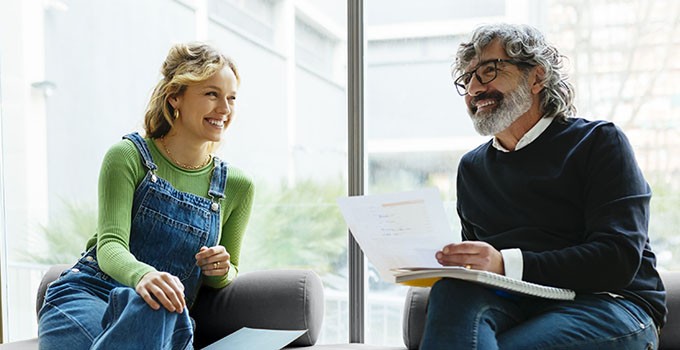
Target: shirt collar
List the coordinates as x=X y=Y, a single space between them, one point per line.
x=529 y=137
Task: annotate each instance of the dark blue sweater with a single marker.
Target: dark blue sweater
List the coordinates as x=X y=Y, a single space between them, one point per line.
x=577 y=205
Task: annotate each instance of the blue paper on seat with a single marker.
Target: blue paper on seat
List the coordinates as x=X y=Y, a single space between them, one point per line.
x=255 y=338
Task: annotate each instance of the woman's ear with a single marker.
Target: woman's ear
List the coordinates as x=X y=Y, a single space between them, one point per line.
x=174 y=101
x=537 y=85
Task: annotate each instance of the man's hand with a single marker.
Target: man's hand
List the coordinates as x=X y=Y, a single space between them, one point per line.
x=473 y=255
x=214 y=261
x=155 y=287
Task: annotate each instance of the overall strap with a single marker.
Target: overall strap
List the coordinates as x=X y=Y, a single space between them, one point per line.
x=218 y=182
x=143 y=149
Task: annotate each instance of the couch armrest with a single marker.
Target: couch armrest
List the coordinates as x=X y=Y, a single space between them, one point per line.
x=416 y=304
x=52 y=274
x=274 y=299
x=414 y=316
x=670 y=334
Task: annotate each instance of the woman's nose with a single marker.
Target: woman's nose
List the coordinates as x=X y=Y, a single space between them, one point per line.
x=223 y=107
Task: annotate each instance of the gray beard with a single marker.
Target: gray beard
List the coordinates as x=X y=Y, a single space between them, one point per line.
x=514 y=105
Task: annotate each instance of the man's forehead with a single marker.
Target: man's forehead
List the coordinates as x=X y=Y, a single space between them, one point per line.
x=494 y=50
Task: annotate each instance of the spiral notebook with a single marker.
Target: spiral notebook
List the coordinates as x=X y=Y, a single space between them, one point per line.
x=425 y=277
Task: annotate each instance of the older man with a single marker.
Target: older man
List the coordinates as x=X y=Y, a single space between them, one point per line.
x=551 y=199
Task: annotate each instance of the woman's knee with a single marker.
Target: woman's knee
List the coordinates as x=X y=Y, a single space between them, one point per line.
x=125 y=302
x=59 y=328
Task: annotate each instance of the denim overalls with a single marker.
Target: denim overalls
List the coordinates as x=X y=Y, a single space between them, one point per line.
x=85 y=308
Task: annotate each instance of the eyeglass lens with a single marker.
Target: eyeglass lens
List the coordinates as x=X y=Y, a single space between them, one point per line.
x=485 y=73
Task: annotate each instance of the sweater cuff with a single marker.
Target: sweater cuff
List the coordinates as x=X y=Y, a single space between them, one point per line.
x=513 y=263
x=221 y=281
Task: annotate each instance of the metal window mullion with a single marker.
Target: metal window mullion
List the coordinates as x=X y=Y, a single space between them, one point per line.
x=355 y=132
x=3 y=232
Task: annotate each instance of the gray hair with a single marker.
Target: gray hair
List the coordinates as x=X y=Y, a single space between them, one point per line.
x=527 y=44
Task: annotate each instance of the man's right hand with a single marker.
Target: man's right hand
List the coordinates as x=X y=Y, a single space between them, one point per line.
x=162 y=287
x=476 y=255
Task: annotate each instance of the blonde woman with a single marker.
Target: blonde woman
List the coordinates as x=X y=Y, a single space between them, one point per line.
x=171 y=218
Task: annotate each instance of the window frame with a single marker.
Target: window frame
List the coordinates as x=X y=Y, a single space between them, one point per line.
x=355 y=156
x=3 y=231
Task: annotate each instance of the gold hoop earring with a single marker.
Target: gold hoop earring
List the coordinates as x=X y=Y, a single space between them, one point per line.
x=176 y=114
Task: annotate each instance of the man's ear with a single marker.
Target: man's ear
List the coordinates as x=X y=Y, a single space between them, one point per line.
x=537 y=85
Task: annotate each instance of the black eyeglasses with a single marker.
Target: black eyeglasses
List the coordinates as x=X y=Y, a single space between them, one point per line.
x=485 y=72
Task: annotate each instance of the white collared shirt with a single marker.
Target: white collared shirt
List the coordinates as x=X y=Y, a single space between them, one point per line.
x=513 y=263
x=529 y=137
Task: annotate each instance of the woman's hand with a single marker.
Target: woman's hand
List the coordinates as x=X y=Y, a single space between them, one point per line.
x=155 y=287
x=213 y=261
x=476 y=255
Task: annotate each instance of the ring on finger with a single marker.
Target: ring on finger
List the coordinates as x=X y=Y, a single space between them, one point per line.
x=216 y=265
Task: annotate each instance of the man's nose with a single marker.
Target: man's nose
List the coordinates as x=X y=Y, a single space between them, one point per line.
x=475 y=87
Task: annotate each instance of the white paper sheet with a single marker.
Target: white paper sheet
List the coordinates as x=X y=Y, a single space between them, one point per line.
x=255 y=338
x=397 y=230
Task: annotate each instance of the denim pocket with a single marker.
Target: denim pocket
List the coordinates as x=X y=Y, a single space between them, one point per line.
x=186 y=209
x=637 y=315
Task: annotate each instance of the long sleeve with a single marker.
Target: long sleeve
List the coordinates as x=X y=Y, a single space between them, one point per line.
x=240 y=191
x=120 y=174
x=616 y=199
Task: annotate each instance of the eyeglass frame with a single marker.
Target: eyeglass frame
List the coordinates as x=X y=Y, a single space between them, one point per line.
x=495 y=61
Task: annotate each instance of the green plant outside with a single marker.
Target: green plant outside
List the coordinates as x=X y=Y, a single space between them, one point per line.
x=297 y=226
x=64 y=237
x=290 y=227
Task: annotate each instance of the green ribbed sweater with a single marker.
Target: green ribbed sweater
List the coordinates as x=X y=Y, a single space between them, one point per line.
x=122 y=171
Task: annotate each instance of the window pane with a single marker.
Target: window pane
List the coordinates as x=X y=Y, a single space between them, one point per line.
x=417 y=127
x=81 y=75
x=624 y=69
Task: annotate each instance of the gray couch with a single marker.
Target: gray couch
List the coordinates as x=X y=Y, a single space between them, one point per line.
x=275 y=299
x=293 y=299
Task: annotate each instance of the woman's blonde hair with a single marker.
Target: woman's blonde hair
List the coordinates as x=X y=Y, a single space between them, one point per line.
x=186 y=64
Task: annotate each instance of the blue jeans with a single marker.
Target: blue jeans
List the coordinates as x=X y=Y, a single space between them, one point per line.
x=86 y=309
x=466 y=315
